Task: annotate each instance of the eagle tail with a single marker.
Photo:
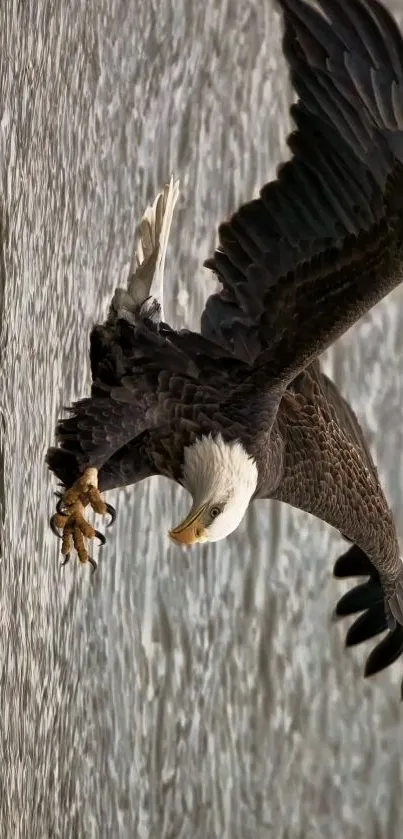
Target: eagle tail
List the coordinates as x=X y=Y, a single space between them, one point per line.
x=146 y=274
x=368 y=599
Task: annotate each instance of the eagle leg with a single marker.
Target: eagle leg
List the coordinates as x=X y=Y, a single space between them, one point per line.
x=70 y=516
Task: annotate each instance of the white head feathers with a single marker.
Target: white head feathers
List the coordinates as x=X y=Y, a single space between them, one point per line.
x=221 y=477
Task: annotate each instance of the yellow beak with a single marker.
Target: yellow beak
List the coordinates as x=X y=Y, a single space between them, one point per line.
x=191 y=530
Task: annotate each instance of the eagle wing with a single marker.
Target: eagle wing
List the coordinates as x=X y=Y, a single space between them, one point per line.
x=321 y=245
x=343 y=414
x=140 y=379
x=365 y=601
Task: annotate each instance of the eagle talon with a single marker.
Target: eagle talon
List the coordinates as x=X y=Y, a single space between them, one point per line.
x=70 y=518
x=95 y=499
x=101 y=538
x=112 y=512
x=65 y=561
x=54 y=526
x=93 y=563
x=60 y=508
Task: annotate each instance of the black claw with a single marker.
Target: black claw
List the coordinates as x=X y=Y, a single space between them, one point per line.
x=66 y=560
x=93 y=563
x=112 y=512
x=53 y=526
x=101 y=537
x=60 y=508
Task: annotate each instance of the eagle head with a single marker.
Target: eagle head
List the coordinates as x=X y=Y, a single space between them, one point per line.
x=222 y=478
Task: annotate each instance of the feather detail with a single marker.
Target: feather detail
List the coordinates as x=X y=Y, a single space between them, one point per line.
x=146 y=274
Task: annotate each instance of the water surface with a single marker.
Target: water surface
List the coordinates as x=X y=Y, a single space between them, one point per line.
x=167 y=696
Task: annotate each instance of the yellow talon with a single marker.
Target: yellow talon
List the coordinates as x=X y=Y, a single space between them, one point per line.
x=70 y=517
x=96 y=500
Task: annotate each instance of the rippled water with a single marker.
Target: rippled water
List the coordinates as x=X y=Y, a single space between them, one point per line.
x=164 y=697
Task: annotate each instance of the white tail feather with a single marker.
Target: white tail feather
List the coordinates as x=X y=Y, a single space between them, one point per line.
x=146 y=275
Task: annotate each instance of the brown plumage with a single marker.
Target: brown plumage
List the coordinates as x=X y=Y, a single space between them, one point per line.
x=365 y=599
x=241 y=410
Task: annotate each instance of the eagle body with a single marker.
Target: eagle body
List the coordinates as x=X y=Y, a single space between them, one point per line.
x=241 y=409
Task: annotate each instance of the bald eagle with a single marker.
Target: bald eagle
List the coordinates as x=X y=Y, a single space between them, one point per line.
x=241 y=409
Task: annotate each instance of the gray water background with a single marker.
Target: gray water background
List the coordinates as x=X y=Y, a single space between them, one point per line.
x=205 y=695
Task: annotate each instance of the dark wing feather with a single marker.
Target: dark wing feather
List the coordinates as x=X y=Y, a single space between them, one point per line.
x=99 y=426
x=144 y=387
x=321 y=245
x=367 y=598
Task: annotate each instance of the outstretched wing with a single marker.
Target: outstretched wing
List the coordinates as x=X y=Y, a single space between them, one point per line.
x=321 y=245
x=138 y=375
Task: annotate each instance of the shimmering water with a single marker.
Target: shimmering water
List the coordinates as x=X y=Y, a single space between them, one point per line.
x=166 y=698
